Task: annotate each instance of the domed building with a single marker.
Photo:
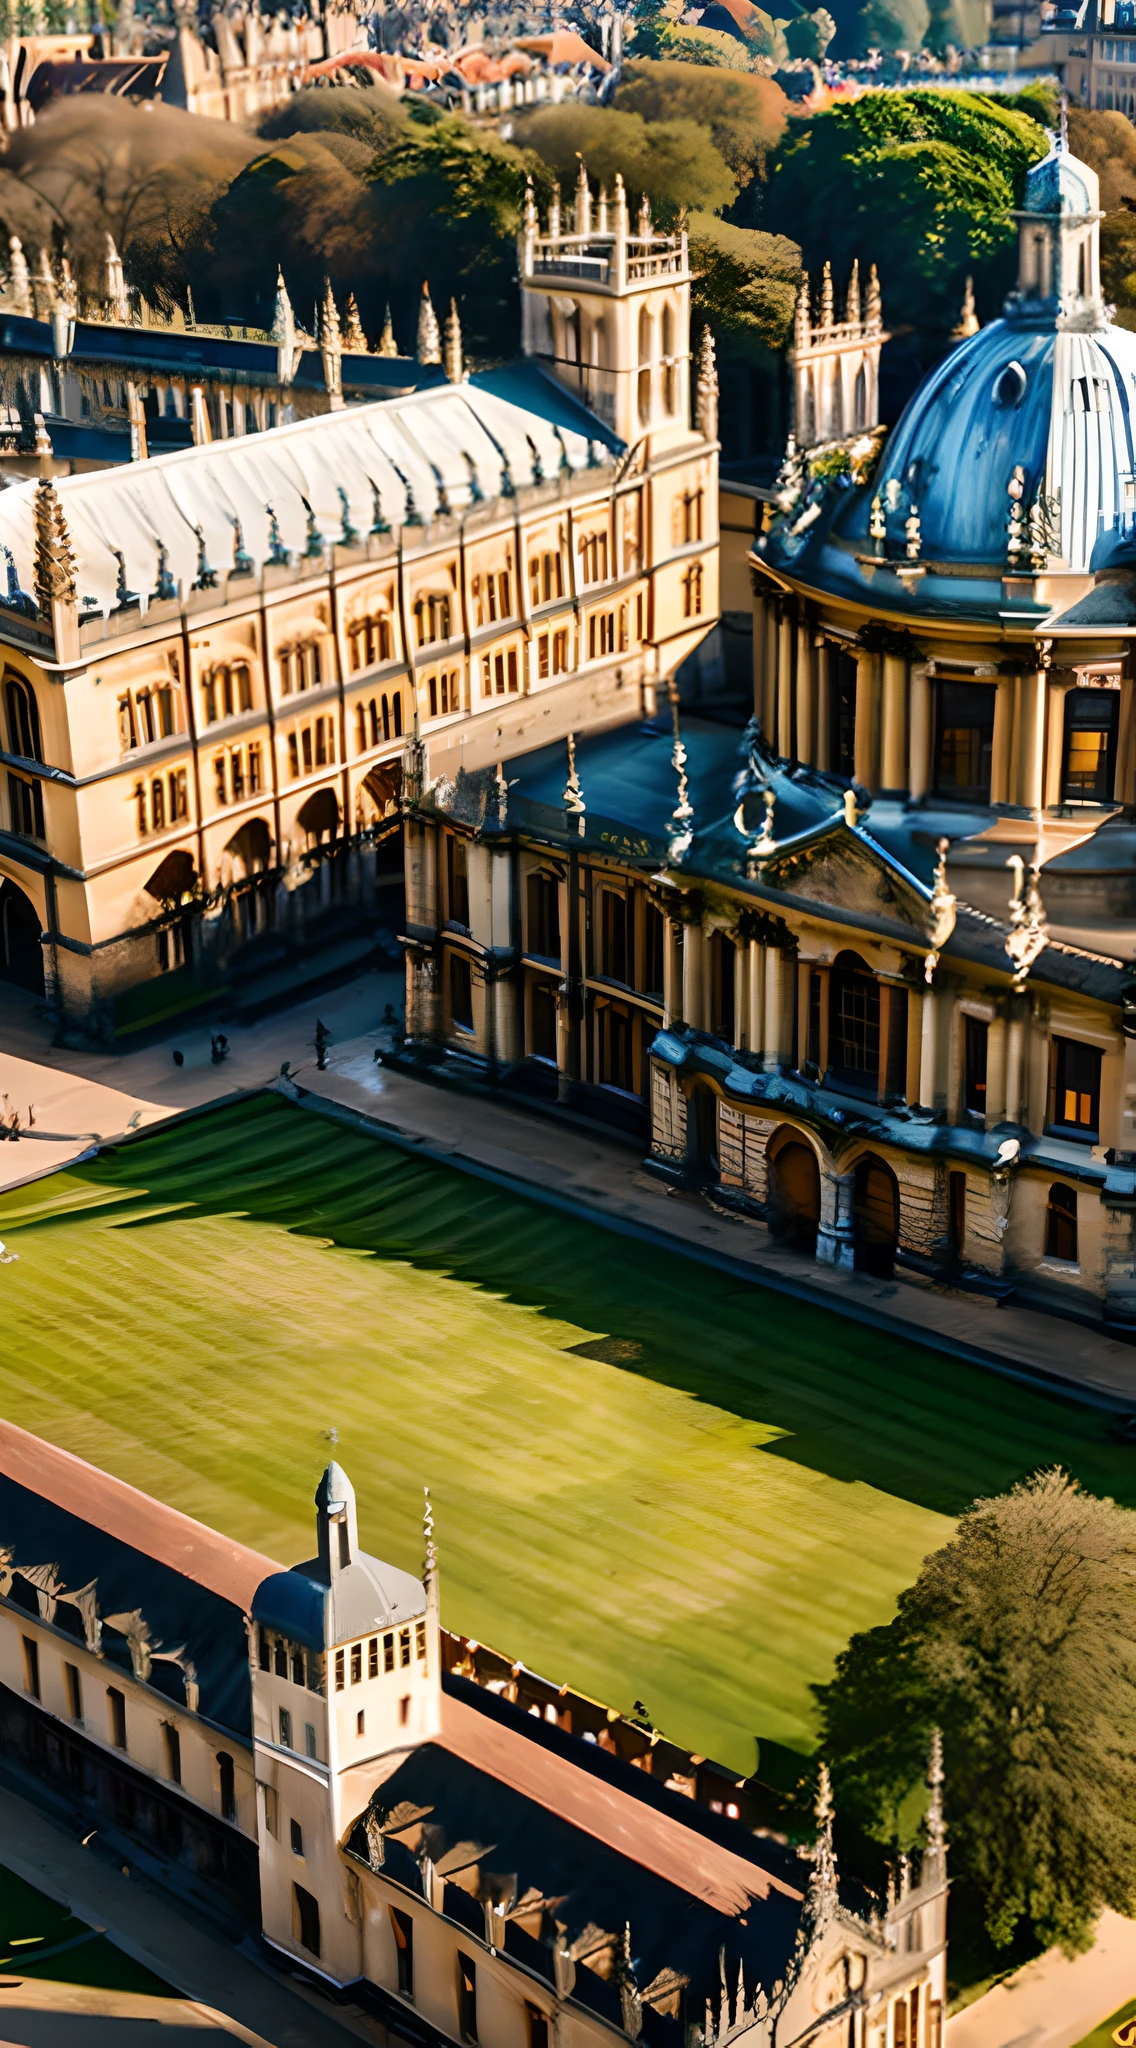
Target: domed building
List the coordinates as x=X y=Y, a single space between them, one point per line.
x=929 y=630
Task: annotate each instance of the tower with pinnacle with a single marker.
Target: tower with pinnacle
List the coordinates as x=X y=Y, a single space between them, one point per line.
x=835 y=361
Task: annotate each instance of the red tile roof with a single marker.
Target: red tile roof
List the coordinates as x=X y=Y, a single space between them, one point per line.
x=654 y=1840
x=163 y=1533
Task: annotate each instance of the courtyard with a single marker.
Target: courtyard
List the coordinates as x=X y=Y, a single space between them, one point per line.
x=649 y=1480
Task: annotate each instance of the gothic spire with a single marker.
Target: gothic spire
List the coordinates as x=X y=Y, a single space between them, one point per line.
x=452 y=346
x=826 y=306
x=331 y=346
x=354 y=339
x=19 y=282
x=706 y=388
x=936 y=1826
x=583 y=201
x=874 y=319
x=852 y=302
x=54 y=555
x=388 y=346
x=283 y=328
x=429 y=339
x=968 y=318
x=803 y=319
x=822 y=1884
x=573 y=795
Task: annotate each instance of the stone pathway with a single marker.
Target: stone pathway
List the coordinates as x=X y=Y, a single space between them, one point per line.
x=1054 y=2002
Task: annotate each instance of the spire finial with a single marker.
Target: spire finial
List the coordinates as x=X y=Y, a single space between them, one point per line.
x=354 y=339
x=1028 y=935
x=936 y=1827
x=852 y=302
x=429 y=339
x=388 y=346
x=826 y=301
x=583 y=200
x=706 y=388
x=573 y=795
x=822 y=1884
x=874 y=319
x=680 y=830
x=428 y=1533
x=452 y=351
x=943 y=912
x=54 y=555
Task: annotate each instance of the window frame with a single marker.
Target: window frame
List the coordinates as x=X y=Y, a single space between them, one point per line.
x=1063 y=1052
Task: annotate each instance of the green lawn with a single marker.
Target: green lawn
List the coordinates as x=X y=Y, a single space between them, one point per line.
x=649 y=1479
x=1123 y=2019
x=40 y=1938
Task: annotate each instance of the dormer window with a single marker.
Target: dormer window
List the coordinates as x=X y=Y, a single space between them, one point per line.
x=1010 y=387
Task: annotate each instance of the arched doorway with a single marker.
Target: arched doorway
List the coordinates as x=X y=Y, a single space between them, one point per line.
x=21 y=954
x=250 y=849
x=794 y=1196
x=702 y=1131
x=318 y=817
x=875 y=1216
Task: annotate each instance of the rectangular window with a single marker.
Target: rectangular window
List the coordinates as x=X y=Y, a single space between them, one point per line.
x=544 y=916
x=285 y=1728
x=420 y=1640
x=356 y=1663
x=297 y=1665
x=895 y=1075
x=30 y=1649
x=158 y=803
x=1091 y=721
x=271 y=1810
x=73 y=1684
x=899 y=2035
x=360 y=1721
x=461 y=992
x=179 y=792
x=842 y=705
x=254 y=769
x=542 y=1011
x=25 y=801
x=560 y=652
x=1076 y=1089
x=220 y=789
x=964 y=740
x=339 y=1670
x=654 y=934
x=388 y=1653
x=467 y=1998
x=615 y=925
x=457 y=879
x=956 y=1213
x=309 y=1739
x=617 y=1069
x=373 y=1657
x=307 y=1922
x=321 y=743
x=975 y=1042
x=293 y=756
x=306 y=748
x=511 y=660
x=542 y=655
x=264 y=1650
x=172 y=1740
x=296 y=1834
x=402 y=1927
x=404 y=1647
x=281 y=1658
x=116 y=1712
x=537 y=2026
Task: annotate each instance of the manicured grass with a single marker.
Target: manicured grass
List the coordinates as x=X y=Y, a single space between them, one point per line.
x=649 y=1479
x=33 y=1928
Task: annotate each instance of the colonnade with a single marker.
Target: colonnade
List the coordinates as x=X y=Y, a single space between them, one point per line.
x=795 y=658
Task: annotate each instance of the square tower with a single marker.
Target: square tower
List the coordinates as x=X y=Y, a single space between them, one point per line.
x=606 y=311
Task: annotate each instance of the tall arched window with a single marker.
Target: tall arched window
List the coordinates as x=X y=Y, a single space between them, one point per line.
x=646 y=343
x=1061 y=1223
x=23 y=719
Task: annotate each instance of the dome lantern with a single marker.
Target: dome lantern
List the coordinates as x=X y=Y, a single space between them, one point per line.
x=1059 y=244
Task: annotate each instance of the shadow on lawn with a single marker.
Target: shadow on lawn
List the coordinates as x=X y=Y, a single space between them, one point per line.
x=854 y=1403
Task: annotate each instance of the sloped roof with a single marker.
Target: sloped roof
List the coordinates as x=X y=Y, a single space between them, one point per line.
x=513 y=426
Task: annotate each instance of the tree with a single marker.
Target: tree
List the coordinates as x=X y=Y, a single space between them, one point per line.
x=1019 y=1638
x=674 y=162
x=943 y=170
x=894 y=24
x=745 y=283
x=745 y=114
x=809 y=35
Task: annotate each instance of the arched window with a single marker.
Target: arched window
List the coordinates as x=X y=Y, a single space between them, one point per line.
x=23 y=720
x=1061 y=1223
x=854 y=1024
x=860 y=398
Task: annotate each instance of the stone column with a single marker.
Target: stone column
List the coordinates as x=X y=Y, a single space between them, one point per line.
x=672 y=973
x=929 y=1052
x=823 y=750
x=919 y=731
x=774 y=1047
x=996 y=1073
x=893 y=748
x=915 y=1001
x=805 y=748
x=1054 y=740
x=756 y=963
x=1003 y=740
x=1031 y=759
x=867 y=738
x=1015 y=1066
x=804 y=982
x=784 y=738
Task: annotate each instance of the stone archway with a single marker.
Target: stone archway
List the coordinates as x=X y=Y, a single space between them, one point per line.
x=318 y=817
x=21 y=953
x=794 y=1194
x=875 y=1216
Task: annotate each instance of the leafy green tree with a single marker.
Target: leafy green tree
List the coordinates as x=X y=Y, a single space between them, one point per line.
x=745 y=283
x=745 y=114
x=674 y=162
x=1019 y=1638
x=894 y=24
x=375 y=115
x=923 y=183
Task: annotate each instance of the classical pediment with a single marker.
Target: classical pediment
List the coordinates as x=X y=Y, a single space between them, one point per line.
x=841 y=871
